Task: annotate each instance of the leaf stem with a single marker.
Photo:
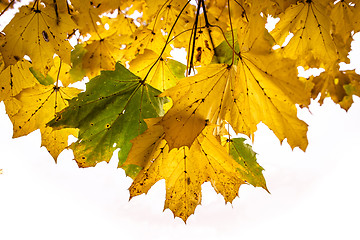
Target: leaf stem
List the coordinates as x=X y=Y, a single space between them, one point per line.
x=190 y=64
x=208 y=25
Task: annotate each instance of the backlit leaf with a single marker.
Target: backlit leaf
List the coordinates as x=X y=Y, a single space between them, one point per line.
x=310 y=23
x=56 y=141
x=266 y=91
x=165 y=72
x=184 y=169
x=246 y=157
x=197 y=101
x=39 y=105
x=15 y=78
x=109 y=114
x=39 y=33
x=339 y=85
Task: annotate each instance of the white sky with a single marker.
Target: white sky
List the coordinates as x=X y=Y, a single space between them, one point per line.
x=314 y=195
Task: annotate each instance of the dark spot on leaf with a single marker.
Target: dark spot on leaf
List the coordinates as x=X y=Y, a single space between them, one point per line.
x=198 y=55
x=207 y=45
x=45 y=36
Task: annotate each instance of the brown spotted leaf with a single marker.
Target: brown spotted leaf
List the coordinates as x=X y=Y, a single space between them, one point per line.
x=310 y=23
x=40 y=33
x=184 y=169
x=39 y=104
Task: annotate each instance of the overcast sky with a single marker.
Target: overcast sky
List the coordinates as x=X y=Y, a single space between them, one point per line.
x=314 y=195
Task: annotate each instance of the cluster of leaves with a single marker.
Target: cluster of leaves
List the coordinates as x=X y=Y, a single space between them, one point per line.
x=170 y=120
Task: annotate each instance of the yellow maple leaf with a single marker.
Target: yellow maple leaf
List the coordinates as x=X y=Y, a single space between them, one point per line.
x=254 y=91
x=86 y=16
x=56 y=141
x=144 y=38
x=59 y=6
x=184 y=169
x=331 y=83
x=102 y=54
x=353 y=88
x=15 y=78
x=60 y=71
x=266 y=91
x=39 y=104
x=203 y=48
x=310 y=23
x=163 y=75
x=38 y=32
x=281 y=5
x=12 y=106
x=345 y=18
x=163 y=15
x=253 y=36
x=197 y=101
x=106 y=44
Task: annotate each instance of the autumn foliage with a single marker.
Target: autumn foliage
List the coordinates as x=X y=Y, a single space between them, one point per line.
x=171 y=120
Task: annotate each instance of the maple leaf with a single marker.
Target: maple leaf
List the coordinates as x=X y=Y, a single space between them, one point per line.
x=15 y=78
x=246 y=157
x=186 y=169
x=332 y=83
x=56 y=140
x=267 y=91
x=202 y=49
x=163 y=15
x=197 y=101
x=345 y=20
x=59 y=71
x=310 y=23
x=12 y=106
x=144 y=38
x=109 y=114
x=244 y=96
x=163 y=75
x=265 y=87
x=39 y=104
x=353 y=88
x=86 y=16
x=102 y=54
x=39 y=33
x=105 y=47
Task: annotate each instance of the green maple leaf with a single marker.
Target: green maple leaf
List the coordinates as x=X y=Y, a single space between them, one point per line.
x=246 y=157
x=109 y=114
